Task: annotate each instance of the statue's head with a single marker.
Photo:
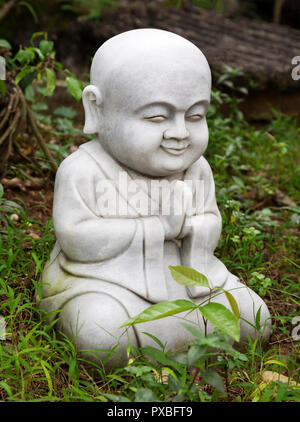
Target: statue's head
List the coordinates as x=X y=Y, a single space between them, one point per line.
x=149 y=94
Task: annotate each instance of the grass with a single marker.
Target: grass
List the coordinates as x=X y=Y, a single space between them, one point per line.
x=257 y=173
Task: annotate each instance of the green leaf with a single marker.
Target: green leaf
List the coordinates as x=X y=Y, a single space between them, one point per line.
x=157 y=341
x=138 y=371
x=1 y=191
x=48 y=377
x=36 y=35
x=29 y=93
x=170 y=372
x=6 y=387
x=24 y=56
x=115 y=398
x=5 y=44
x=29 y=78
x=74 y=87
x=195 y=331
x=276 y=362
x=144 y=395
x=233 y=304
x=257 y=319
x=39 y=53
x=2 y=88
x=216 y=340
x=51 y=82
x=38 y=116
x=195 y=353
x=188 y=276
x=31 y=10
x=180 y=358
x=213 y=378
x=11 y=205
x=39 y=106
x=219 y=316
x=24 y=72
x=46 y=46
x=174 y=3
x=159 y=356
x=67 y=112
x=161 y=310
x=58 y=65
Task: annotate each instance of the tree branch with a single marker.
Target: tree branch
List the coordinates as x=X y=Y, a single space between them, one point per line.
x=6 y=8
x=41 y=141
x=277 y=10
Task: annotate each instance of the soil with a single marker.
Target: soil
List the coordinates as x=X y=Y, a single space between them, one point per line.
x=37 y=199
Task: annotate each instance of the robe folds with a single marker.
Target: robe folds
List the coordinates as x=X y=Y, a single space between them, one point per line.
x=105 y=250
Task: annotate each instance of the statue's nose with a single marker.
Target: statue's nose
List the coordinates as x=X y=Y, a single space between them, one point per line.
x=177 y=130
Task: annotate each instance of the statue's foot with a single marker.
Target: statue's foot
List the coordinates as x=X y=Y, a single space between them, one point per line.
x=92 y=322
x=255 y=320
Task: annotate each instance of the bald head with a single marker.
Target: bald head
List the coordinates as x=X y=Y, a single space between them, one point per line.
x=143 y=52
x=149 y=94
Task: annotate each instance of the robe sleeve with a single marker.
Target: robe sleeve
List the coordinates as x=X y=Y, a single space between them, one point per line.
x=201 y=234
x=207 y=216
x=82 y=235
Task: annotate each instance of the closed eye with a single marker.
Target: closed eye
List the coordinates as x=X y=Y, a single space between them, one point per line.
x=194 y=117
x=156 y=119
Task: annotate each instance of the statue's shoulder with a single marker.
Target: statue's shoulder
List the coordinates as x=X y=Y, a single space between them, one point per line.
x=79 y=164
x=202 y=169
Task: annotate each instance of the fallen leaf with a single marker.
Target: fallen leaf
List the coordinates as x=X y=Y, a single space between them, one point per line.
x=14 y=217
x=13 y=183
x=34 y=236
x=269 y=376
x=284 y=199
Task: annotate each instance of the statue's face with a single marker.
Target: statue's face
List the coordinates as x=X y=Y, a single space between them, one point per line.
x=154 y=122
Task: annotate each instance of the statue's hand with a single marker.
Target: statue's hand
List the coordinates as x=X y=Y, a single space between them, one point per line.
x=174 y=214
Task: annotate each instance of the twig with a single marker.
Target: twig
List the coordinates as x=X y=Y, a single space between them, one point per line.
x=2 y=113
x=9 y=146
x=194 y=379
x=18 y=149
x=32 y=180
x=6 y=148
x=10 y=127
x=285 y=340
x=22 y=124
x=21 y=128
x=40 y=139
x=6 y=8
x=8 y=110
x=277 y=10
x=226 y=373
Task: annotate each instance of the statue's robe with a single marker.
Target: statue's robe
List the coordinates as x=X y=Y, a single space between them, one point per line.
x=125 y=255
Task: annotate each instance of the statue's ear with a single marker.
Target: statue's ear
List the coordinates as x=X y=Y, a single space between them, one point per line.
x=91 y=99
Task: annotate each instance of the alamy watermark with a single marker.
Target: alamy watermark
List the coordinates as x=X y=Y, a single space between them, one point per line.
x=126 y=197
x=296 y=330
x=296 y=69
x=2 y=328
x=2 y=68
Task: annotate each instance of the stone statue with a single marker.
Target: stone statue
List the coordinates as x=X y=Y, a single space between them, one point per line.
x=138 y=198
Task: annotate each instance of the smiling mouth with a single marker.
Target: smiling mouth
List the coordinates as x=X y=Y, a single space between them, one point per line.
x=178 y=150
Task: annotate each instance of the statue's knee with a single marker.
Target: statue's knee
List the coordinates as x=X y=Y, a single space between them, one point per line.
x=255 y=315
x=92 y=322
